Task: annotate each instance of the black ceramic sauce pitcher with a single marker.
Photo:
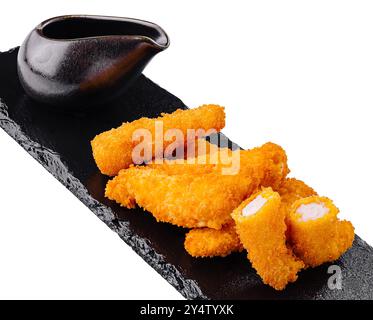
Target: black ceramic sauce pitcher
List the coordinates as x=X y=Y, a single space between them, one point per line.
x=82 y=61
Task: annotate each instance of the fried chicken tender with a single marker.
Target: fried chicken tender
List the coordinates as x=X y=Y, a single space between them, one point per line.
x=269 y=160
x=205 y=157
x=260 y=224
x=206 y=242
x=270 y=156
x=194 y=200
x=112 y=150
x=292 y=190
x=316 y=234
x=186 y=200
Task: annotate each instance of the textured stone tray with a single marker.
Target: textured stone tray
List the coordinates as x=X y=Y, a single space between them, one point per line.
x=60 y=142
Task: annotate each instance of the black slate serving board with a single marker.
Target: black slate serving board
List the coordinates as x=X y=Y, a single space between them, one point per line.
x=61 y=143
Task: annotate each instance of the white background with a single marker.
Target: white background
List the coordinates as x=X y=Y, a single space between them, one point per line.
x=298 y=73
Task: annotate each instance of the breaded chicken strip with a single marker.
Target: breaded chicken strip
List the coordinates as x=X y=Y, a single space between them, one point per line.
x=260 y=224
x=112 y=150
x=292 y=190
x=192 y=200
x=186 y=200
x=204 y=159
x=270 y=156
x=269 y=160
x=316 y=234
x=206 y=242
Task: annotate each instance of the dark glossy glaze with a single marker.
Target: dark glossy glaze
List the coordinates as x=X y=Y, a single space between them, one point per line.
x=84 y=61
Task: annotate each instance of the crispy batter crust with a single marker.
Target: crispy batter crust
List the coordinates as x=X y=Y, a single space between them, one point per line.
x=192 y=200
x=112 y=150
x=206 y=242
x=292 y=190
x=322 y=240
x=268 y=162
x=204 y=160
x=263 y=236
x=189 y=201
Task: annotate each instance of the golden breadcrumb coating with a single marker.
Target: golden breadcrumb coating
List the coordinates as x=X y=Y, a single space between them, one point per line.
x=203 y=161
x=269 y=160
x=206 y=242
x=271 y=156
x=191 y=200
x=323 y=239
x=185 y=200
x=263 y=236
x=112 y=150
x=292 y=190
